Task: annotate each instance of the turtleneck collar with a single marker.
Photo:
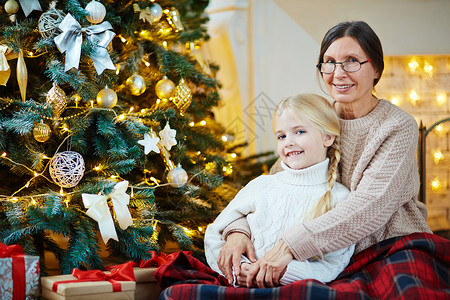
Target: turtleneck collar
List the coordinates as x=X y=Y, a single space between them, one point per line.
x=313 y=175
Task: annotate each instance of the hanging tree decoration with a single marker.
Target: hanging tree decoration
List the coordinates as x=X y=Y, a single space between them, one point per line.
x=29 y=5
x=99 y=211
x=96 y=12
x=58 y=99
x=173 y=18
x=168 y=136
x=71 y=39
x=67 y=168
x=12 y=7
x=149 y=14
x=41 y=132
x=22 y=75
x=182 y=97
x=5 y=71
x=150 y=142
x=136 y=84
x=107 y=98
x=164 y=88
x=49 y=21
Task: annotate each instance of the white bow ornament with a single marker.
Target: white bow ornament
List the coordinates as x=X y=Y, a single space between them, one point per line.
x=99 y=211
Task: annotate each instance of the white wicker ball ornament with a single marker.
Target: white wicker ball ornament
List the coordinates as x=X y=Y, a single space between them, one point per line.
x=67 y=168
x=96 y=12
x=49 y=21
x=177 y=177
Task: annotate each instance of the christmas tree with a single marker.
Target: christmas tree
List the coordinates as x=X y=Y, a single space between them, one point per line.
x=106 y=129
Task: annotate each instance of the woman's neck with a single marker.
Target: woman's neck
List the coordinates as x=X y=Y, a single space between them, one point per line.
x=355 y=110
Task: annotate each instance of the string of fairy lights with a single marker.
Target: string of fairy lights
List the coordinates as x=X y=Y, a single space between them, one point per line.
x=417 y=94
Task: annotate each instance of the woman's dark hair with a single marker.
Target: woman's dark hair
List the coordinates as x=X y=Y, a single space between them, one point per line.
x=364 y=35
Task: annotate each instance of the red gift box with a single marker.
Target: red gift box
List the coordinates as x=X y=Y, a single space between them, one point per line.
x=19 y=274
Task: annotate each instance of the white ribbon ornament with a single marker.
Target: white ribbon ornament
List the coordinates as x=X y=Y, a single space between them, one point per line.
x=99 y=211
x=29 y=5
x=71 y=40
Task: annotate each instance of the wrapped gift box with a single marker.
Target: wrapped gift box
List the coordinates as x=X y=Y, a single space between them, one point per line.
x=146 y=286
x=83 y=290
x=9 y=272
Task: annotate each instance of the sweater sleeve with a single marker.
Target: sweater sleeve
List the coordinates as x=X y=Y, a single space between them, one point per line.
x=387 y=182
x=323 y=270
x=240 y=206
x=241 y=225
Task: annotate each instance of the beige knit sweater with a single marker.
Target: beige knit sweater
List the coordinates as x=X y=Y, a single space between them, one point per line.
x=378 y=166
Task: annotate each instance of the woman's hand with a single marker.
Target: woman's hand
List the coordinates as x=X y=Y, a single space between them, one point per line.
x=230 y=255
x=268 y=270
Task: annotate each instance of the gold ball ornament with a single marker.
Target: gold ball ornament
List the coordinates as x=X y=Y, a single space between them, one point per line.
x=96 y=12
x=67 y=168
x=177 y=177
x=11 y=6
x=183 y=96
x=58 y=99
x=107 y=98
x=136 y=84
x=164 y=88
x=41 y=132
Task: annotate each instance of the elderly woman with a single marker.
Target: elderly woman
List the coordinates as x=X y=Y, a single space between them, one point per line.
x=378 y=165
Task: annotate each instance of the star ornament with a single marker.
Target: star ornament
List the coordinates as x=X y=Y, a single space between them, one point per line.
x=168 y=137
x=149 y=143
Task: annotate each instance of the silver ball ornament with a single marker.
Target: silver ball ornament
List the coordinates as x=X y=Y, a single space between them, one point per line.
x=155 y=13
x=107 y=98
x=177 y=177
x=96 y=12
x=165 y=88
x=136 y=84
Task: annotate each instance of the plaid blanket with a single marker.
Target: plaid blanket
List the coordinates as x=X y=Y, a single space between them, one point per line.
x=416 y=266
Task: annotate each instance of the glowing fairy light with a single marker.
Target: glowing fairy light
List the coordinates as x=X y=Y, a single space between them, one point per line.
x=396 y=100
x=233 y=155
x=438 y=156
x=4 y=154
x=428 y=68
x=192 y=124
x=413 y=65
x=436 y=184
x=441 y=130
x=224 y=138
x=441 y=99
x=414 y=97
x=202 y=123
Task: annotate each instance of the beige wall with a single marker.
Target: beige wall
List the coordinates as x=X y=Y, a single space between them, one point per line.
x=267 y=49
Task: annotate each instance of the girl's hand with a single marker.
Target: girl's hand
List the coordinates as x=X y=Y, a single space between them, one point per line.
x=242 y=278
x=268 y=270
x=230 y=255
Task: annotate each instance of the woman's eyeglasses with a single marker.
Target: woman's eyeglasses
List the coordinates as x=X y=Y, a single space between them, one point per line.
x=348 y=66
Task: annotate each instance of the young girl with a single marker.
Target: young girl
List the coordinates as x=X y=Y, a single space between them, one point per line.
x=307 y=130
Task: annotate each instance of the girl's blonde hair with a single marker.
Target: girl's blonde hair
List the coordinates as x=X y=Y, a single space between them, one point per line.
x=320 y=113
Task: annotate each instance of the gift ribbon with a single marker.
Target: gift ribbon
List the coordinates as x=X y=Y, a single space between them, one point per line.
x=18 y=272
x=99 y=211
x=29 y=5
x=159 y=260
x=123 y=272
x=71 y=39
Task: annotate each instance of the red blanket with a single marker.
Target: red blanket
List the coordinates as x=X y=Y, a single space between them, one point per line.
x=412 y=267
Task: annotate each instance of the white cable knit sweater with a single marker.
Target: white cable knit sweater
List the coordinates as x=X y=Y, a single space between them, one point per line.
x=272 y=204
